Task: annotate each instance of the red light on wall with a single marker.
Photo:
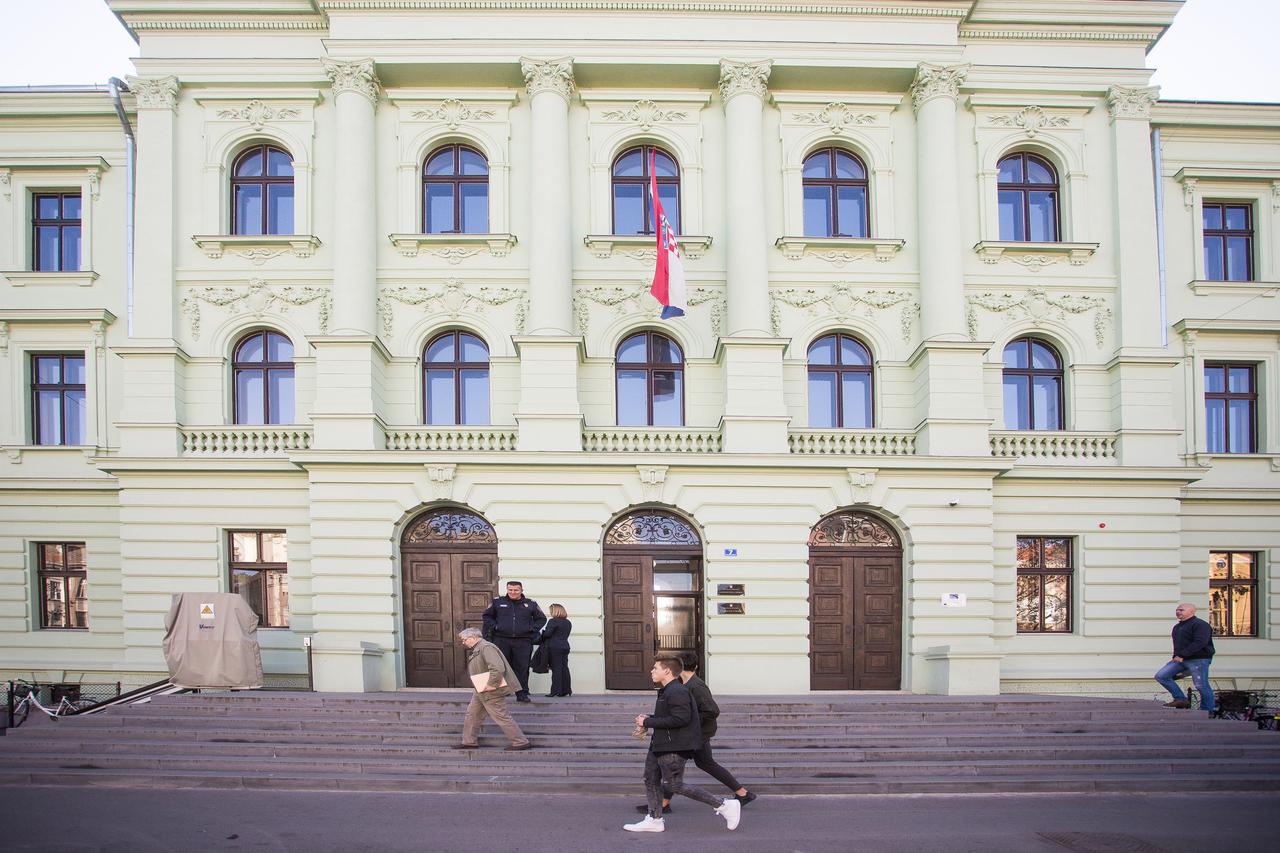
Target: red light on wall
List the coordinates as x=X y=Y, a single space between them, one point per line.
x=1102 y=524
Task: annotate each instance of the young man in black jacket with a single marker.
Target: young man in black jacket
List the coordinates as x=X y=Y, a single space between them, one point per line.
x=677 y=736
x=1192 y=652
x=512 y=622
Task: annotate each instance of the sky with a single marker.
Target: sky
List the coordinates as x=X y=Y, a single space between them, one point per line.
x=1217 y=50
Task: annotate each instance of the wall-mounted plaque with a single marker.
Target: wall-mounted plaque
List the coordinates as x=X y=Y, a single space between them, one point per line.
x=726 y=607
x=731 y=589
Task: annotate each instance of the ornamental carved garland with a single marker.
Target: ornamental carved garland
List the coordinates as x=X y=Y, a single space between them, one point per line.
x=835 y=116
x=630 y=299
x=841 y=302
x=452 y=527
x=548 y=75
x=255 y=299
x=1031 y=119
x=646 y=114
x=1036 y=305
x=651 y=529
x=453 y=113
x=848 y=529
x=160 y=93
x=744 y=78
x=257 y=114
x=355 y=76
x=1126 y=102
x=450 y=298
x=937 y=81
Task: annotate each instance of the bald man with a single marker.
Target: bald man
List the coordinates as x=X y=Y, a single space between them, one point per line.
x=1192 y=652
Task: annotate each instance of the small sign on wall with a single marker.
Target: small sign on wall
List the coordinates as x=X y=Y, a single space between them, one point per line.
x=731 y=552
x=731 y=589
x=954 y=599
x=731 y=607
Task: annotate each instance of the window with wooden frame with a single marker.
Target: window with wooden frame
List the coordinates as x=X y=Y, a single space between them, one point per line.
x=55 y=232
x=1045 y=568
x=1028 y=194
x=262 y=191
x=835 y=195
x=1233 y=593
x=455 y=380
x=840 y=383
x=58 y=411
x=632 y=207
x=1230 y=407
x=1228 y=241
x=650 y=381
x=1033 y=380
x=262 y=379
x=455 y=191
x=63 y=577
x=260 y=573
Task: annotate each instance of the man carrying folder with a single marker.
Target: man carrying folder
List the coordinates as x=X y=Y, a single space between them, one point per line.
x=494 y=680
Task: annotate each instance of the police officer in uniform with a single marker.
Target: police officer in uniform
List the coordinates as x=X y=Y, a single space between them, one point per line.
x=512 y=622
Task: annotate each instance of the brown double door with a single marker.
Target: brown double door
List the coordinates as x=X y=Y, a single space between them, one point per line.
x=444 y=592
x=653 y=605
x=855 y=619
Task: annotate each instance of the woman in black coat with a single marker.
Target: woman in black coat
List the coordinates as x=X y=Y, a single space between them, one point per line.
x=555 y=639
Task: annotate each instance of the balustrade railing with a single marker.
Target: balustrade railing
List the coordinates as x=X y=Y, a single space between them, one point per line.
x=651 y=440
x=486 y=438
x=839 y=442
x=1057 y=446
x=244 y=440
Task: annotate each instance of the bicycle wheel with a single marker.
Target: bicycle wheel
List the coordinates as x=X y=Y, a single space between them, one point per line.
x=20 y=712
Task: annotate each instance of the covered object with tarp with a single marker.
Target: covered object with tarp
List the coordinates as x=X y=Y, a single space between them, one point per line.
x=211 y=640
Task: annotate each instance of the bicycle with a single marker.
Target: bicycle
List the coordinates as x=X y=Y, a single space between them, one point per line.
x=30 y=694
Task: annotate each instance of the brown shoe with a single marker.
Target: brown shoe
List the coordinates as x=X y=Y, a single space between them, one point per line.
x=517 y=747
x=465 y=746
x=1178 y=703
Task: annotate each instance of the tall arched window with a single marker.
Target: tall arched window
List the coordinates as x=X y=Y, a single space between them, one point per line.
x=650 y=381
x=835 y=195
x=1032 y=385
x=262 y=191
x=455 y=191
x=455 y=380
x=632 y=207
x=840 y=383
x=1028 y=188
x=262 y=373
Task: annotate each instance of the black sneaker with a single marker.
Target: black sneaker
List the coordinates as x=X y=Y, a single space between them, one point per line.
x=750 y=797
x=644 y=809
x=524 y=698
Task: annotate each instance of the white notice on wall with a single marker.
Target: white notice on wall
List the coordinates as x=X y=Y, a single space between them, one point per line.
x=954 y=599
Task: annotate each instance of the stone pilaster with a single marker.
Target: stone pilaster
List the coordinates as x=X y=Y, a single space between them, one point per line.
x=744 y=87
x=550 y=86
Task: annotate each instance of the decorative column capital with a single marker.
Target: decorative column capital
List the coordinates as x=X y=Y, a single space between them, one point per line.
x=155 y=93
x=356 y=76
x=1135 y=103
x=744 y=78
x=548 y=75
x=936 y=81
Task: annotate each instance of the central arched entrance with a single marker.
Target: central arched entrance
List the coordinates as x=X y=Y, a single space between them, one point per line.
x=855 y=604
x=652 y=595
x=449 y=570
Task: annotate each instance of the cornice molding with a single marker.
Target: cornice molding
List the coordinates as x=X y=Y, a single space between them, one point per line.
x=665 y=6
x=180 y=24
x=356 y=75
x=154 y=93
x=744 y=78
x=1144 y=36
x=548 y=75
x=936 y=81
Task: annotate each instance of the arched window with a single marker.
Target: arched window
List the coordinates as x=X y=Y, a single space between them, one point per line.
x=1028 y=188
x=835 y=195
x=840 y=389
x=632 y=207
x=262 y=371
x=455 y=191
x=650 y=384
x=455 y=380
x=1032 y=385
x=262 y=191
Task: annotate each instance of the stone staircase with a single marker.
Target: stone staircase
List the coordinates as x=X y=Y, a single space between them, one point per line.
x=815 y=744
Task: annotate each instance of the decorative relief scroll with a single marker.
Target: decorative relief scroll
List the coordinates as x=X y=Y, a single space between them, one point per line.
x=841 y=302
x=744 y=78
x=937 y=81
x=257 y=114
x=646 y=114
x=159 y=93
x=548 y=75
x=626 y=299
x=835 y=116
x=255 y=299
x=651 y=528
x=853 y=530
x=450 y=298
x=1126 y=102
x=453 y=527
x=1037 y=305
x=453 y=113
x=6 y=184
x=1030 y=119
x=355 y=76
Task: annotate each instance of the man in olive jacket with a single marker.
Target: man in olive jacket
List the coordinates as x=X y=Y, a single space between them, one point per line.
x=490 y=698
x=677 y=736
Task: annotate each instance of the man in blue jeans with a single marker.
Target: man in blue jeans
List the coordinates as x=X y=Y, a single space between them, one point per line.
x=1192 y=652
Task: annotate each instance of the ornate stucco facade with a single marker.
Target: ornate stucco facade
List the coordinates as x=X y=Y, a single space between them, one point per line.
x=929 y=95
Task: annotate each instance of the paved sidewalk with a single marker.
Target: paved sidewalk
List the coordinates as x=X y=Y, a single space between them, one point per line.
x=62 y=820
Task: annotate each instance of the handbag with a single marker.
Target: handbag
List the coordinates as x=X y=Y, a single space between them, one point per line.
x=540 y=662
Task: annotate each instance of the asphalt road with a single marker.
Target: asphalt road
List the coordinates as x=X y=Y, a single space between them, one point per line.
x=82 y=819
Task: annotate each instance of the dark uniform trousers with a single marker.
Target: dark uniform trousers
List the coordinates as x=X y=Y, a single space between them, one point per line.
x=517 y=650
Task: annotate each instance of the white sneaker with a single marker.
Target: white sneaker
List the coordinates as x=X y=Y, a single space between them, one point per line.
x=731 y=811
x=649 y=824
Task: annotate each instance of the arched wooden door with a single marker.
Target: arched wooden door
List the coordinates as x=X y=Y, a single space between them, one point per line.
x=855 y=604
x=449 y=569
x=652 y=595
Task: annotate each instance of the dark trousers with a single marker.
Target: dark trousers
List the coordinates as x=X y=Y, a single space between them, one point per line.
x=560 y=683
x=665 y=773
x=517 y=652
x=703 y=760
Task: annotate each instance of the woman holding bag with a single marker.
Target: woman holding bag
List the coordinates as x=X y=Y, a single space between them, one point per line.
x=555 y=639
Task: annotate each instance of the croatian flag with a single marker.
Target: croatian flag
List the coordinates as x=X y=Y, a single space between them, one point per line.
x=668 y=277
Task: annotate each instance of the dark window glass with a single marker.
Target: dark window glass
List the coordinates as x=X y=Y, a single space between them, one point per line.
x=262 y=191
x=1033 y=396
x=835 y=195
x=1228 y=241
x=1230 y=408
x=632 y=207
x=55 y=238
x=259 y=568
x=840 y=383
x=1027 y=198
x=58 y=398
x=455 y=191
x=455 y=380
x=64 y=591
x=650 y=388
x=1045 y=569
x=1233 y=593
x=262 y=379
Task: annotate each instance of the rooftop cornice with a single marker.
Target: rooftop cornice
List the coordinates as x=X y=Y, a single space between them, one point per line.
x=1149 y=13
x=1141 y=35
x=935 y=9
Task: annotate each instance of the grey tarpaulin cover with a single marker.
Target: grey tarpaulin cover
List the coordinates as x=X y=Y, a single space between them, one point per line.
x=211 y=640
